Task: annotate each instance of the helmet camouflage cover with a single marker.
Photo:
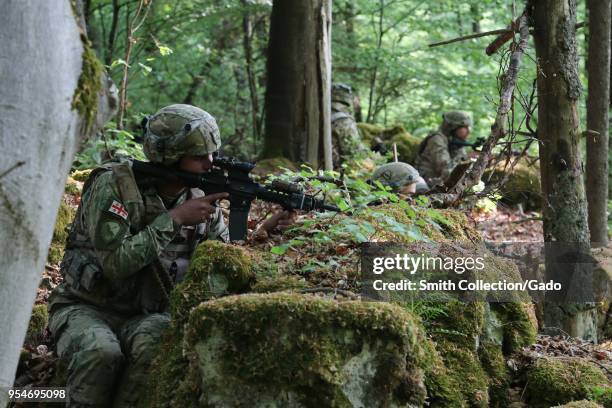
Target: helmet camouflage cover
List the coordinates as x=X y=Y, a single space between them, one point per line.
x=180 y=130
x=342 y=93
x=396 y=175
x=456 y=119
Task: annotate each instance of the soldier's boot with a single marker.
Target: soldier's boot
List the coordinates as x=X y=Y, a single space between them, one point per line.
x=92 y=353
x=140 y=338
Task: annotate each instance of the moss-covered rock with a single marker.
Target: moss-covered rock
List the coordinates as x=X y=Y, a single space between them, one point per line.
x=273 y=166
x=407 y=147
x=467 y=374
x=216 y=270
x=296 y=350
x=65 y=215
x=558 y=381
x=81 y=175
x=579 y=404
x=279 y=283
x=37 y=325
x=494 y=364
x=519 y=329
x=72 y=187
x=522 y=186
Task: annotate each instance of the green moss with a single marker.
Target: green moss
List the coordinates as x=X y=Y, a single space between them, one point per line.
x=71 y=187
x=279 y=283
x=557 y=381
x=602 y=395
x=273 y=166
x=65 y=215
x=494 y=364
x=461 y=323
x=466 y=373
x=522 y=186
x=579 y=404
x=37 y=325
x=81 y=175
x=216 y=269
x=407 y=147
x=85 y=98
x=519 y=330
x=369 y=131
x=299 y=345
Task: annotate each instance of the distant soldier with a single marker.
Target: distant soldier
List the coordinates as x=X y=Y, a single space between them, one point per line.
x=442 y=150
x=346 y=140
x=401 y=177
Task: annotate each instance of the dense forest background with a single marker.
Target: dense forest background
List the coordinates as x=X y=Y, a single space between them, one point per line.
x=213 y=54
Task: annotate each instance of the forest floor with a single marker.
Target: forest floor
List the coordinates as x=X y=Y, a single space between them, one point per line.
x=38 y=361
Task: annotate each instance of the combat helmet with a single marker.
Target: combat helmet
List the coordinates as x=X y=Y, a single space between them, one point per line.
x=396 y=175
x=454 y=120
x=179 y=130
x=342 y=93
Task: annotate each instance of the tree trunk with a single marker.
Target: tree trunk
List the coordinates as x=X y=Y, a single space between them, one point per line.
x=598 y=66
x=34 y=164
x=247 y=46
x=564 y=207
x=297 y=104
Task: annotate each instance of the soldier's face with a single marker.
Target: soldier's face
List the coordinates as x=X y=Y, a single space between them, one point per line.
x=463 y=132
x=196 y=164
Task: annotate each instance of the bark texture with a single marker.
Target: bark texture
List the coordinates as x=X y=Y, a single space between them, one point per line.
x=598 y=66
x=564 y=203
x=42 y=92
x=297 y=101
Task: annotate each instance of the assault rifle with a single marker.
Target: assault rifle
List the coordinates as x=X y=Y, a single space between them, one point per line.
x=457 y=143
x=229 y=175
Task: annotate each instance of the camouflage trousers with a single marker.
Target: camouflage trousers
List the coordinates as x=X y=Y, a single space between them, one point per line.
x=107 y=356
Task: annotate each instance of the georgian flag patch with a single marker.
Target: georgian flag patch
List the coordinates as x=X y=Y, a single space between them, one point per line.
x=118 y=208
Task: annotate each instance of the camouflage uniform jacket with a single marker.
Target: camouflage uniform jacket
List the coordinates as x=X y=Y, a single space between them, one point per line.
x=436 y=159
x=120 y=230
x=345 y=137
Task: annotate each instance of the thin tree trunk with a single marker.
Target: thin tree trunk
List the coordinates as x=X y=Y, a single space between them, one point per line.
x=247 y=39
x=298 y=89
x=381 y=14
x=112 y=36
x=33 y=165
x=598 y=66
x=564 y=207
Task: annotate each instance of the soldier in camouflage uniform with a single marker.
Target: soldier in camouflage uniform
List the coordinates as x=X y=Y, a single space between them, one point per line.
x=437 y=155
x=401 y=177
x=128 y=233
x=346 y=140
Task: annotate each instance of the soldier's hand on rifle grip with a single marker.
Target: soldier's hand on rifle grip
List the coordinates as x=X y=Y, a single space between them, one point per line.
x=196 y=210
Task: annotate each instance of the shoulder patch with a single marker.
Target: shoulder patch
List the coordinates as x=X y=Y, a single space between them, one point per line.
x=109 y=232
x=117 y=208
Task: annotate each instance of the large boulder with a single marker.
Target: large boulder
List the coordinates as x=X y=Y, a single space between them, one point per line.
x=292 y=350
x=521 y=187
x=407 y=145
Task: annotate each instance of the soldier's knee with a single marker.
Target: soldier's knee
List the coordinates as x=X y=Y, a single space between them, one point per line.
x=146 y=338
x=108 y=353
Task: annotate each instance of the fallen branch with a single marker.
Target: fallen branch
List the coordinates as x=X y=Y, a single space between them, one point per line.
x=471 y=177
x=506 y=33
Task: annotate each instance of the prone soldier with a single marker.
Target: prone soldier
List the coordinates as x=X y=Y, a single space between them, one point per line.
x=401 y=177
